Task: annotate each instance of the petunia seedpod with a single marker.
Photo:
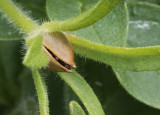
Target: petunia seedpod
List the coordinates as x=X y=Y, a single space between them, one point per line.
x=60 y=52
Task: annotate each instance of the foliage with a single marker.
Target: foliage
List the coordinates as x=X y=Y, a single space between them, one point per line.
x=121 y=38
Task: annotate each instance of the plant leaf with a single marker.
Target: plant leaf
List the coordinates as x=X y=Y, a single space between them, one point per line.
x=110 y=30
x=75 y=108
x=89 y=17
x=151 y=1
x=55 y=8
x=144 y=31
x=104 y=31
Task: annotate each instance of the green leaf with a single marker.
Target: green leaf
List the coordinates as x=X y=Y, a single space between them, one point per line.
x=146 y=27
x=84 y=92
x=90 y=16
x=62 y=9
x=110 y=30
x=107 y=31
x=75 y=108
x=138 y=10
x=151 y=1
x=144 y=31
x=35 y=57
x=144 y=86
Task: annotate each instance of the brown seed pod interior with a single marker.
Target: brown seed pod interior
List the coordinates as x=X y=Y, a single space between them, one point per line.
x=60 y=52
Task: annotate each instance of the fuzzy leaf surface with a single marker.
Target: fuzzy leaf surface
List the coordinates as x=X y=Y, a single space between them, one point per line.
x=143 y=31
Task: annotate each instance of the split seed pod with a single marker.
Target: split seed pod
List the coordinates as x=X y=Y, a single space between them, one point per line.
x=60 y=52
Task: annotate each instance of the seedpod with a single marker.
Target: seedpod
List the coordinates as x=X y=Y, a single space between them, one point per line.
x=60 y=52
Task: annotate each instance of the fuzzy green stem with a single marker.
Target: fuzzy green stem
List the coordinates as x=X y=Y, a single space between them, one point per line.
x=16 y=16
x=87 y=18
x=133 y=59
x=84 y=92
x=41 y=92
x=75 y=108
x=27 y=26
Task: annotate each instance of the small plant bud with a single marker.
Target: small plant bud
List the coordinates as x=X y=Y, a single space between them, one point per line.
x=60 y=52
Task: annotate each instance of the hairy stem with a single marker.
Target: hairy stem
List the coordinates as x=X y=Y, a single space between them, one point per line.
x=133 y=59
x=16 y=16
x=87 y=18
x=75 y=108
x=41 y=92
x=83 y=91
x=27 y=26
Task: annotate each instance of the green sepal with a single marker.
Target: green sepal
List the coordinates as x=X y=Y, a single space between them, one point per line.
x=35 y=57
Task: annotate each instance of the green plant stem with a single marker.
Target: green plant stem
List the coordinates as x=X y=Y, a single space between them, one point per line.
x=133 y=59
x=16 y=16
x=75 y=108
x=84 y=92
x=87 y=18
x=41 y=92
x=27 y=26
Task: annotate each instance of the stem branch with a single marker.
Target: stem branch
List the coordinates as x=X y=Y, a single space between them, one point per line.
x=83 y=91
x=41 y=92
x=16 y=16
x=87 y=18
x=133 y=59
